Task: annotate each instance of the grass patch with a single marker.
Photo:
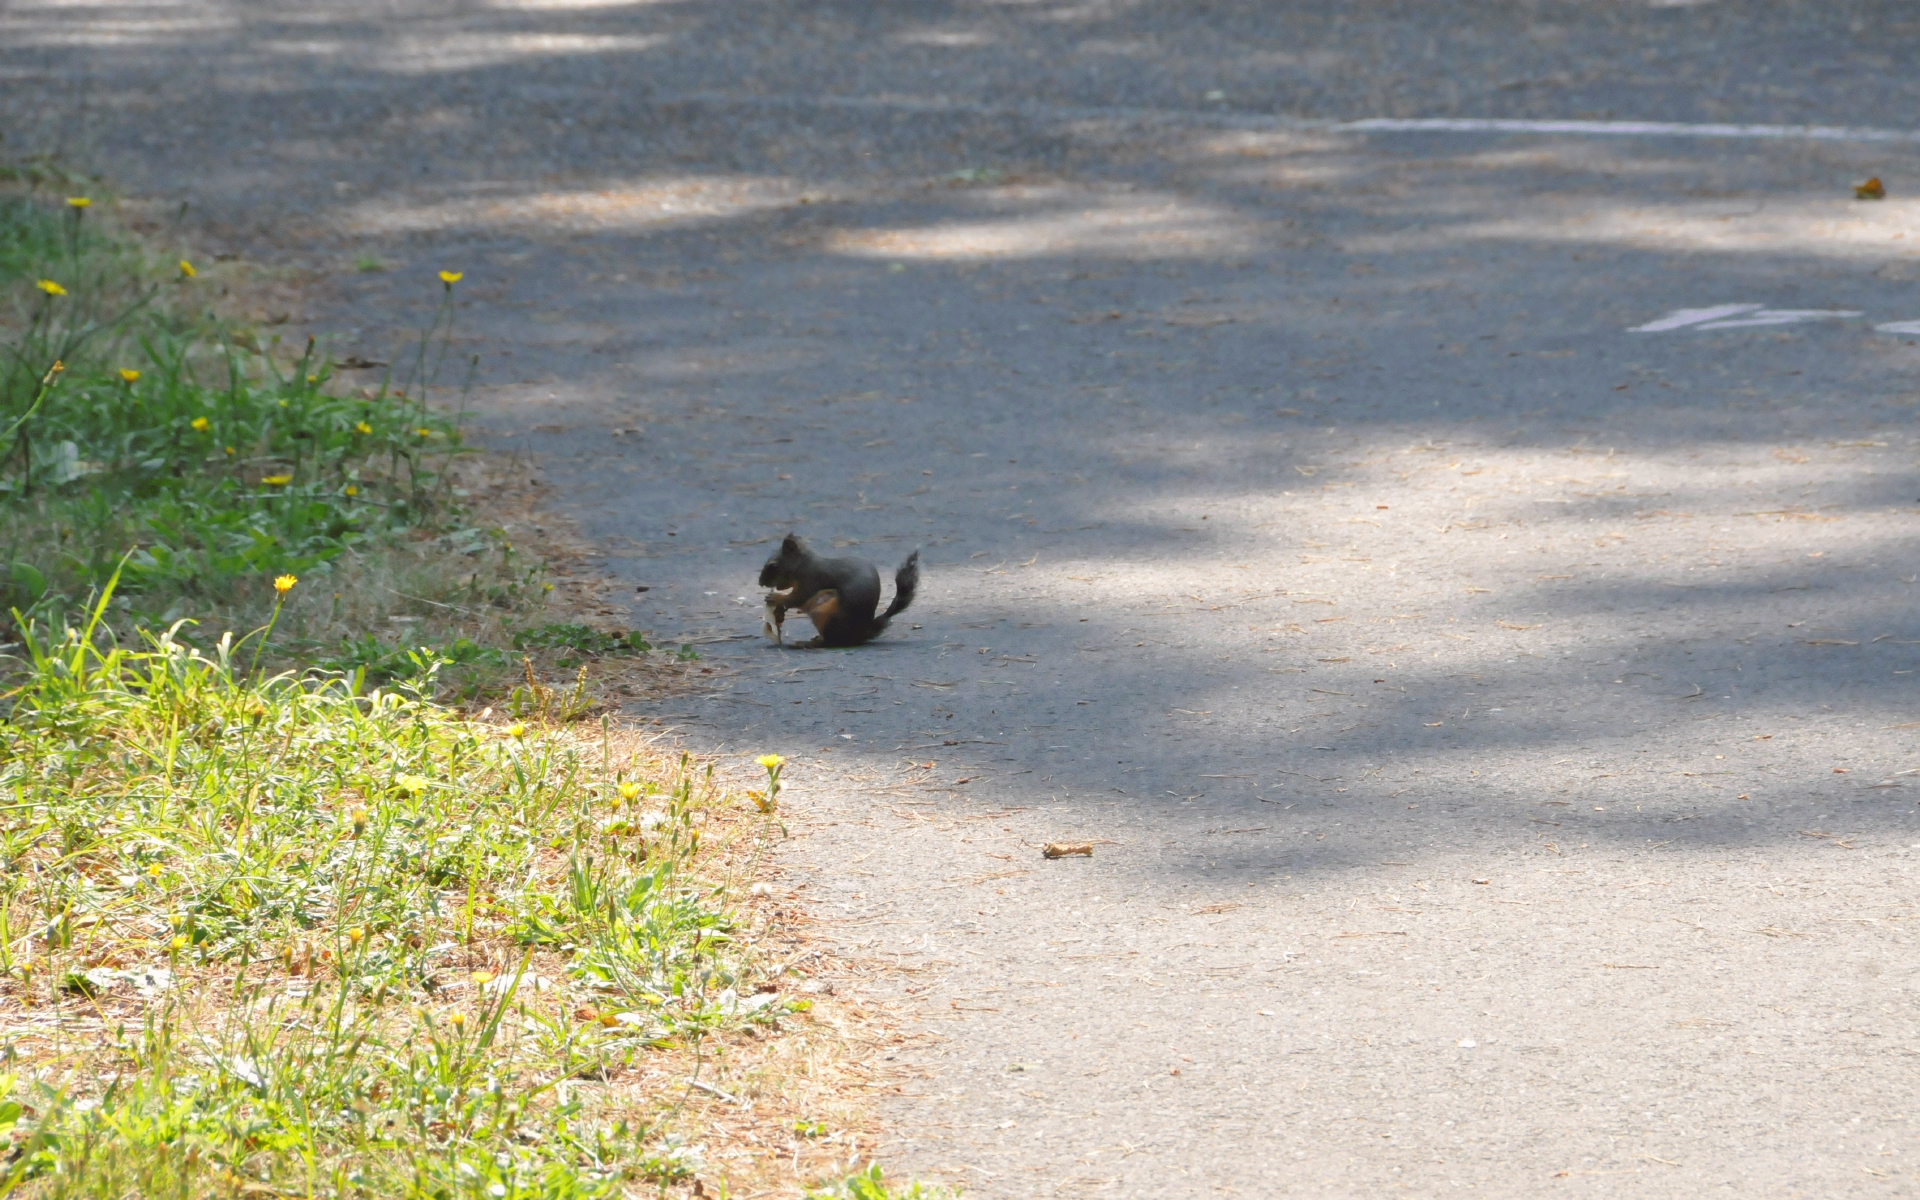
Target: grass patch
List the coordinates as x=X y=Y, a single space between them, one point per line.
x=140 y=434
x=868 y=1185
x=280 y=936
x=128 y=425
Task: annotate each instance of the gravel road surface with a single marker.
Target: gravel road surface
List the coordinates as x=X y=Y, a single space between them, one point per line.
x=1494 y=719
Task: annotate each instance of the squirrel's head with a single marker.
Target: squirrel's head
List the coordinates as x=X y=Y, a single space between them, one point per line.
x=785 y=561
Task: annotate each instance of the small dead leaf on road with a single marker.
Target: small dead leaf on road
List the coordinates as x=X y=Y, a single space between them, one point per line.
x=1067 y=849
x=1511 y=625
x=1872 y=189
x=1210 y=909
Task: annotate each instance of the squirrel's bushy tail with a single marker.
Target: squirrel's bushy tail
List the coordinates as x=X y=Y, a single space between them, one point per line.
x=905 y=582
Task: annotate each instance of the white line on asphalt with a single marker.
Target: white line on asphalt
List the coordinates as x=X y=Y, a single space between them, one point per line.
x=1745 y=315
x=1682 y=317
x=1898 y=327
x=1814 y=133
x=1232 y=119
x=1783 y=316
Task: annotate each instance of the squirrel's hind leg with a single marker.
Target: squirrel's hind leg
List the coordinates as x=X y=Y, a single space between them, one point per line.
x=823 y=607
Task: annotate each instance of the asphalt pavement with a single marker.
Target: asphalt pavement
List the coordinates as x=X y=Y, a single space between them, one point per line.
x=1458 y=576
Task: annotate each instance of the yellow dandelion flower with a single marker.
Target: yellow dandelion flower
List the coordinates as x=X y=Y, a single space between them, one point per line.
x=352 y=490
x=423 y=431
x=362 y=427
x=51 y=288
x=628 y=792
x=452 y=277
x=313 y=379
x=356 y=935
x=156 y=870
x=483 y=978
x=458 y=1020
x=284 y=583
x=200 y=425
x=179 y=942
x=129 y=375
x=770 y=761
x=277 y=480
x=186 y=270
x=413 y=785
x=229 y=451
x=78 y=201
x=516 y=730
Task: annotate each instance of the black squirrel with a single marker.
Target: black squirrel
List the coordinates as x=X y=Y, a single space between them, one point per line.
x=840 y=595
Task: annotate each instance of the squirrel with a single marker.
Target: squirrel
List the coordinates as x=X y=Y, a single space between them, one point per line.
x=840 y=595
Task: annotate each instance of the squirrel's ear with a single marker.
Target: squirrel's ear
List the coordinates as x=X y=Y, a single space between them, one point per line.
x=791 y=545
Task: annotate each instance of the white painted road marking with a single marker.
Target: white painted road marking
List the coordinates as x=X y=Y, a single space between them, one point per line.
x=1738 y=316
x=1817 y=133
x=1899 y=327
x=1680 y=318
x=1234 y=119
x=1783 y=316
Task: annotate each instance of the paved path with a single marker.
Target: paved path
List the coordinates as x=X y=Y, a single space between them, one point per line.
x=1494 y=725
